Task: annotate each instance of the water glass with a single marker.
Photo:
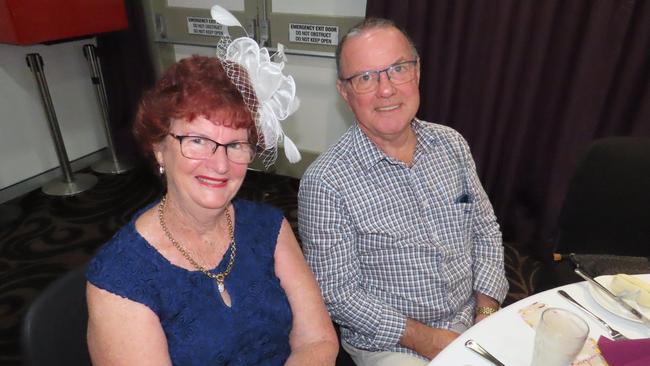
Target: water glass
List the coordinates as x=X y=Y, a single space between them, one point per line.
x=559 y=337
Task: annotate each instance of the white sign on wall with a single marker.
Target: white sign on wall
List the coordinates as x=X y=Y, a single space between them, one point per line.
x=329 y=8
x=314 y=34
x=232 y=5
x=206 y=27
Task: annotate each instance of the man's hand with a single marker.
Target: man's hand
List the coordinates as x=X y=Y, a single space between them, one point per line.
x=425 y=340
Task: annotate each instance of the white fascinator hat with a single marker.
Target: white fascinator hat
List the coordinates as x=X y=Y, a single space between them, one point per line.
x=269 y=94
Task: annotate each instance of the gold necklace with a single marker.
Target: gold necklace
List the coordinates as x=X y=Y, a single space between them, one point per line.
x=219 y=277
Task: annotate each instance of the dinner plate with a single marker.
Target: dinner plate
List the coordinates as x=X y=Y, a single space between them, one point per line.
x=611 y=305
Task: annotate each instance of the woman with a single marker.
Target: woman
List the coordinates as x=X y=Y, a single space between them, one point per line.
x=199 y=278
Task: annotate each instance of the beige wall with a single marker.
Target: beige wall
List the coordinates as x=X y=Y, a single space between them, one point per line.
x=26 y=146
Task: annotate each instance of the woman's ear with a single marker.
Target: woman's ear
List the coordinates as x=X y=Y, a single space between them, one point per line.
x=158 y=153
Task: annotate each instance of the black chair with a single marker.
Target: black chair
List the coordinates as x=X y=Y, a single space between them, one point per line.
x=54 y=328
x=606 y=210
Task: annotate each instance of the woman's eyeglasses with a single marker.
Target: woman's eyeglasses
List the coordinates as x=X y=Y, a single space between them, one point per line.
x=201 y=148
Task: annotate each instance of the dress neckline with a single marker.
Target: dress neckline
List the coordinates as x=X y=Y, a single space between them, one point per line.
x=148 y=246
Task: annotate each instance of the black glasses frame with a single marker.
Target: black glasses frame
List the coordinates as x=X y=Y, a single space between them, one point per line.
x=180 y=139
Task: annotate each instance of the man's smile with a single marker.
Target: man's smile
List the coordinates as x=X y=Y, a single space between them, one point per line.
x=388 y=108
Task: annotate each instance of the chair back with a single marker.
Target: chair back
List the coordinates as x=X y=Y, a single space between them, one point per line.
x=607 y=206
x=54 y=328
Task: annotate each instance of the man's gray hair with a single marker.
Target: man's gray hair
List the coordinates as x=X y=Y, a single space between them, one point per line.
x=364 y=26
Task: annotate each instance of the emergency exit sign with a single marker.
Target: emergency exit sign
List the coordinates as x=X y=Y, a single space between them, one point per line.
x=314 y=34
x=206 y=27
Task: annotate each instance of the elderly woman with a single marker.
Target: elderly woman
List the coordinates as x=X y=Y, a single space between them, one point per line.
x=201 y=278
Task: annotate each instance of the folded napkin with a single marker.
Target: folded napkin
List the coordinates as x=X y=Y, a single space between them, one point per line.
x=625 y=352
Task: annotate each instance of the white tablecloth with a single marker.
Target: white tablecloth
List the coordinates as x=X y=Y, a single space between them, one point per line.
x=510 y=339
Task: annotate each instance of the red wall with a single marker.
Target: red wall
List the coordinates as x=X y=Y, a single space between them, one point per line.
x=26 y=22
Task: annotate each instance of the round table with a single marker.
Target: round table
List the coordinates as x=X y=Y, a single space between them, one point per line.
x=510 y=339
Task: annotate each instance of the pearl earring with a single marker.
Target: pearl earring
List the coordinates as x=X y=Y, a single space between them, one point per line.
x=161 y=170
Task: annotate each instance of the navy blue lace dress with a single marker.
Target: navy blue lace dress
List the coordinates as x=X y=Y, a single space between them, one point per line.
x=200 y=328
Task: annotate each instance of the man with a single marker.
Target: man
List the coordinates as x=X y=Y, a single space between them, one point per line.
x=393 y=219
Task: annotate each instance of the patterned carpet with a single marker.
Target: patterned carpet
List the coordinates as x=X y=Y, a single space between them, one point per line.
x=55 y=234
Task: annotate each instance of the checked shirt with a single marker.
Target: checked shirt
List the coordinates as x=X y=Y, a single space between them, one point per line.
x=387 y=241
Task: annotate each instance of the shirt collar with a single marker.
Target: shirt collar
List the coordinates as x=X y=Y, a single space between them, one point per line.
x=369 y=154
x=427 y=138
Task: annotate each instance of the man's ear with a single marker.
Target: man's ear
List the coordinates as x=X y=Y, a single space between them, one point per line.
x=343 y=91
x=417 y=72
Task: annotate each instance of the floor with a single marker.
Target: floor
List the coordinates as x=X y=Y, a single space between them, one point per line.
x=55 y=234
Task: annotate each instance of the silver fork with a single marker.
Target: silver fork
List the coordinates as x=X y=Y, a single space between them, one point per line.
x=612 y=332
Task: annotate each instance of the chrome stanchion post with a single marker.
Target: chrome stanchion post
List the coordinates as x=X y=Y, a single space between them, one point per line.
x=114 y=165
x=71 y=183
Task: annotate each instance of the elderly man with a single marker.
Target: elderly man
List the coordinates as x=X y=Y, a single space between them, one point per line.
x=393 y=219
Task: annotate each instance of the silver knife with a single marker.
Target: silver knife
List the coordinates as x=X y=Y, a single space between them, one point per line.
x=620 y=301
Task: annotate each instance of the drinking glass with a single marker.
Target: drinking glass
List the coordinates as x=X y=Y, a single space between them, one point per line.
x=559 y=337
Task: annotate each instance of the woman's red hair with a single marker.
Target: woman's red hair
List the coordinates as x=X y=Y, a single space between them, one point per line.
x=193 y=87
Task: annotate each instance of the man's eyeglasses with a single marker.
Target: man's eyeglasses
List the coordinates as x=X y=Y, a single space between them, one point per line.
x=367 y=81
x=201 y=148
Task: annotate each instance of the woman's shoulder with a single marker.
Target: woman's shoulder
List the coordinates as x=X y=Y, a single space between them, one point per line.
x=123 y=249
x=256 y=210
x=125 y=266
x=258 y=222
x=125 y=252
